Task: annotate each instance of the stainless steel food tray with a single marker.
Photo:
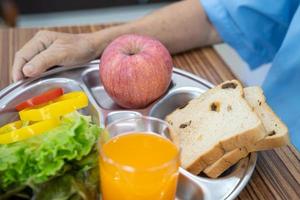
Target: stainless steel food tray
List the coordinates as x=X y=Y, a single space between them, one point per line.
x=103 y=110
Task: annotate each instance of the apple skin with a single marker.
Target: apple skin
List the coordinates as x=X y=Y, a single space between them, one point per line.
x=135 y=70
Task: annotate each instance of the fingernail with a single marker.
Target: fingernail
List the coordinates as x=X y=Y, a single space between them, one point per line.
x=17 y=77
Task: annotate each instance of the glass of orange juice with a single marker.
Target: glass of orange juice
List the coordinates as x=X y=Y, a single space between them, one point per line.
x=137 y=161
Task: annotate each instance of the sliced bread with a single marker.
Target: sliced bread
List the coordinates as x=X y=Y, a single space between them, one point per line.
x=216 y=122
x=276 y=133
x=225 y=162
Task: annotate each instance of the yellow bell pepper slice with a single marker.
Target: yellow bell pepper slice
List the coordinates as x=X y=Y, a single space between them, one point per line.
x=19 y=133
x=63 y=105
x=11 y=127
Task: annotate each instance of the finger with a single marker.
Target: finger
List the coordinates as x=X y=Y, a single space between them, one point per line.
x=43 y=61
x=38 y=43
x=17 y=73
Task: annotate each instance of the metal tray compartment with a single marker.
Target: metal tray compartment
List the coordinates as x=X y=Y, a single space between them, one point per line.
x=103 y=110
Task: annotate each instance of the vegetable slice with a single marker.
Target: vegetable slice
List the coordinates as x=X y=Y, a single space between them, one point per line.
x=41 y=99
x=11 y=127
x=63 y=105
x=22 y=133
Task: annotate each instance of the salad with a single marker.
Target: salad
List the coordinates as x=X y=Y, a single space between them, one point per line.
x=50 y=153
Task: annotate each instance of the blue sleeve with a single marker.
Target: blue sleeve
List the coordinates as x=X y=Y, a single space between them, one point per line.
x=254 y=28
x=282 y=85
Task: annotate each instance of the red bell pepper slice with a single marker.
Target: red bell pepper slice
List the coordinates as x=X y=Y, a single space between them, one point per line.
x=41 y=99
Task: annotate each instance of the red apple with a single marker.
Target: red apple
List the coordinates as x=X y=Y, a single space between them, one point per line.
x=135 y=70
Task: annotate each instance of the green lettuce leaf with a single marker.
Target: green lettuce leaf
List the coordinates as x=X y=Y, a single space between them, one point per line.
x=39 y=159
x=79 y=183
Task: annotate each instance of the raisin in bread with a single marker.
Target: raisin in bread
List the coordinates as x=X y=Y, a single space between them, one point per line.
x=276 y=133
x=217 y=121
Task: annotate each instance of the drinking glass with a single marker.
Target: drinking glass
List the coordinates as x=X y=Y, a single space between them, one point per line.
x=137 y=160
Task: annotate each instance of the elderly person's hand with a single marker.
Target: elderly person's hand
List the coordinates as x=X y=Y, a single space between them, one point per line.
x=47 y=49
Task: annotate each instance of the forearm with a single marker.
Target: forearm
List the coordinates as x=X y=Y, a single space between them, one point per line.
x=180 y=26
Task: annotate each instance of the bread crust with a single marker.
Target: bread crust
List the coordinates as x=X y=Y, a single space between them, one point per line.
x=232 y=157
x=218 y=151
x=243 y=139
x=229 y=159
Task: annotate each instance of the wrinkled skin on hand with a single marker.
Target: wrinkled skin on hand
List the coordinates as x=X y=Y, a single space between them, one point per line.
x=48 y=48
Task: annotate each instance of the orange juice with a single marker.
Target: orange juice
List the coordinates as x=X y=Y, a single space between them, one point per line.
x=139 y=166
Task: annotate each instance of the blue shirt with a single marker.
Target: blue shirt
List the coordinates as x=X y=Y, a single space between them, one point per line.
x=264 y=31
